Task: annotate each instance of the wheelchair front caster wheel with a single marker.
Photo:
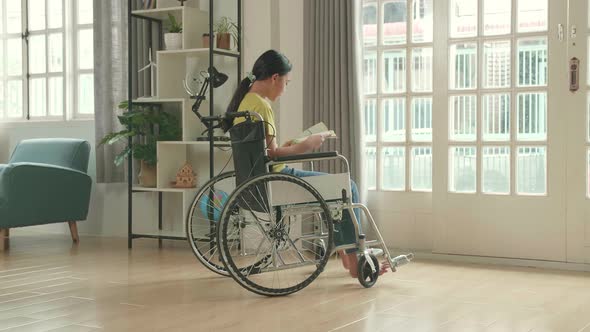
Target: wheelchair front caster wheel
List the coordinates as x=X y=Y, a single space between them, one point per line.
x=366 y=276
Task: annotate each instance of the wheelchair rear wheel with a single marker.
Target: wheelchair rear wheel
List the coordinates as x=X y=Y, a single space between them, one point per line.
x=203 y=219
x=280 y=249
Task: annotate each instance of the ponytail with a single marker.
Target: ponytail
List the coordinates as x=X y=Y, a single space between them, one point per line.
x=234 y=104
x=269 y=63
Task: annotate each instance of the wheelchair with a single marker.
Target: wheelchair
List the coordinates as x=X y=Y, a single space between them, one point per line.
x=273 y=233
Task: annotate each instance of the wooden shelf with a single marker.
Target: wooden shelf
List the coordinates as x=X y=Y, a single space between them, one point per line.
x=204 y=51
x=158 y=100
x=158 y=13
x=164 y=190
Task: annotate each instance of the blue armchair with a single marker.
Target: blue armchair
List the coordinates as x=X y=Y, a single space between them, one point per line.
x=45 y=182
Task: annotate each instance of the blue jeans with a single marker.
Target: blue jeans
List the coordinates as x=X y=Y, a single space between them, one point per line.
x=344 y=231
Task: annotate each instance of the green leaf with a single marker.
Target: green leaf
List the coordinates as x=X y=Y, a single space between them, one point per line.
x=120 y=158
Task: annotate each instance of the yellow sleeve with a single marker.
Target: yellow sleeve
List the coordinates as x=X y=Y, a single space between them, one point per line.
x=268 y=116
x=256 y=104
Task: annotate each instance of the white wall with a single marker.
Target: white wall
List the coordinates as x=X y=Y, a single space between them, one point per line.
x=108 y=207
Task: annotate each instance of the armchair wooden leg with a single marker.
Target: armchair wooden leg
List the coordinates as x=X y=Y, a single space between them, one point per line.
x=74 y=231
x=4 y=239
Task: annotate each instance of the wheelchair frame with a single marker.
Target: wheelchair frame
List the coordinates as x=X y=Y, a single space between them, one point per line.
x=336 y=207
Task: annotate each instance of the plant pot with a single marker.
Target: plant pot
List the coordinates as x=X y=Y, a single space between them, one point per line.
x=206 y=40
x=223 y=41
x=147 y=175
x=173 y=41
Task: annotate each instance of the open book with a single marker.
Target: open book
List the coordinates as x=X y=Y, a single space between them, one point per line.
x=318 y=128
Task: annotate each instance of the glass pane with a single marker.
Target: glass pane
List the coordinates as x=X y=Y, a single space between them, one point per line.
x=588 y=173
x=422 y=29
x=13 y=16
x=14 y=99
x=496 y=62
x=463 y=69
x=588 y=118
x=55 y=15
x=394 y=71
x=56 y=96
x=422 y=69
x=38 y=97
x=531 y=170
x=1 y=19
x=394 y=22
x=370 y=72
x=36 y=14
x=56 y=52
x=462 y=169
x=496 y=117
x=394 y=120
x=463 y=14
x=1 y=55
x=370 y=120
x=371 y=167
x=532 y=62
x=496 y=17
x=421 y=169
x=85 y=49
x=532 y=116
x=15 y=57
x=532 y=15
x=86 y=94
x=370 y=24
x=496 y=170
x=422 y=119
x=394 y=168
x=37 y=51
x=84 y=11
x=463 y=118
x=2 y=97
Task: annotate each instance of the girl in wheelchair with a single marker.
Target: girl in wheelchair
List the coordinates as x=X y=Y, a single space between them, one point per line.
x=268 y=81
x=273 y=232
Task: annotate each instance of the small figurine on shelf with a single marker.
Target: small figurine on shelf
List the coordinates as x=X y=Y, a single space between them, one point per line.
x=185 y=178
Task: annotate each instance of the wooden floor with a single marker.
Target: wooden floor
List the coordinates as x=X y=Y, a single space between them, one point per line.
x=48 y=285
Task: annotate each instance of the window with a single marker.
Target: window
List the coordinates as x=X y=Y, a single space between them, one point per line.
x=397 y=69
x=46 y=59
x=498 y=97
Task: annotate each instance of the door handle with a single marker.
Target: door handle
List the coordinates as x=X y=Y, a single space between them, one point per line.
x=574 y=74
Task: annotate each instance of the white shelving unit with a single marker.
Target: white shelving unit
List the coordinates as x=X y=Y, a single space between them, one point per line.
x=173 y=67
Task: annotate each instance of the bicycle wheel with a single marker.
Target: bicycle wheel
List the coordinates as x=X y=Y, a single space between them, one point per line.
x=280 y=249
x=203 y=218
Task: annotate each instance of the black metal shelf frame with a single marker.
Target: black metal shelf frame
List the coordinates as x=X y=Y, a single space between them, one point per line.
x=212 y=143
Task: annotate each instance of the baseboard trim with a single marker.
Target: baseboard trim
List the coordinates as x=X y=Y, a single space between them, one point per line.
x=500 y=261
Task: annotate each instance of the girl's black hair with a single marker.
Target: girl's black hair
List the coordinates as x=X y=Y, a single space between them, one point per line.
x=269 y=63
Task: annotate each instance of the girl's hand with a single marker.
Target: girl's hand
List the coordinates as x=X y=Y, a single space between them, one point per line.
x=314 y=141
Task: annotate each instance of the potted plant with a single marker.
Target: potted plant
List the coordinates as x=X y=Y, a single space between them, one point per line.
x=173 y=38
x=147 y=124
x=225 y=28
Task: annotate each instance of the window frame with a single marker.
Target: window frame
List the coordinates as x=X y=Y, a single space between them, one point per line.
x=70 y=72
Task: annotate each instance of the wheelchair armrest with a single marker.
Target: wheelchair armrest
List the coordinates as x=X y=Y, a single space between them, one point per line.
x=307 y=156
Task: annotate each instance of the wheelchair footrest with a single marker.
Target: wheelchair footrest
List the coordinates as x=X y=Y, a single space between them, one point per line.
x=401 y=260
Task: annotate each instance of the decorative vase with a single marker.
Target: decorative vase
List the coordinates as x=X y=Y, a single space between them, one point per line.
x=147 y=175
x=223 y=40
x=173 y=41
